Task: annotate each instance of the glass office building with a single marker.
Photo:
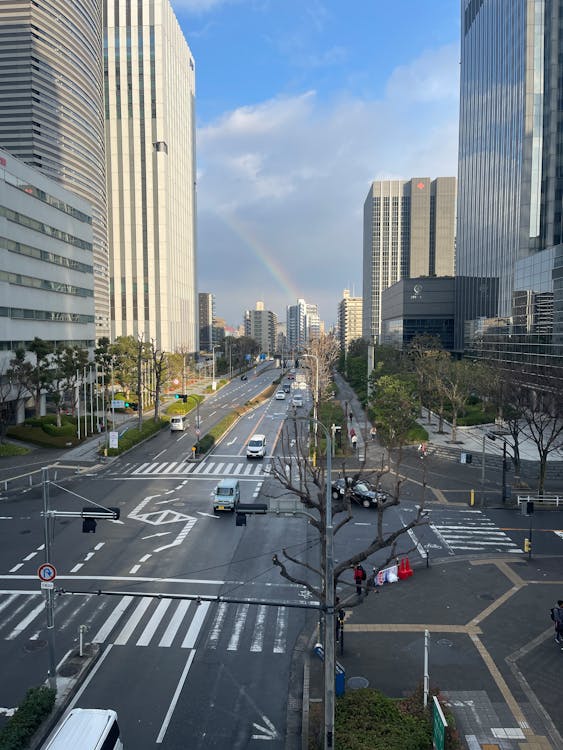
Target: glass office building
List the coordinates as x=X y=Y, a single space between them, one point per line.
x=509 y=223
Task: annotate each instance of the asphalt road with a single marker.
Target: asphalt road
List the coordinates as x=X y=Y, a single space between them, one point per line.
x=180 y=671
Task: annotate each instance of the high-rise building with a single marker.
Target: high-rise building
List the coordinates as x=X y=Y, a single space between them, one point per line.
x=206 y=320
x=46 y=254
x=349 y=319
x=312 y=322
x=409 y=231
x=150 y=134
x=510 y=218
x=261 y=324
x=52 y=113
x=296 y=328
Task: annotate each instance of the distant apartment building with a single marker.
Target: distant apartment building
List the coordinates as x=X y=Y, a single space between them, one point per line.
x=150 y=137
x=409 y=231
x=510 y=222
x=46 y=265
x=261 y=324
x=349 y=319
x=313 y=325
x=296 y=325
x=52 y=113
x=206 y=320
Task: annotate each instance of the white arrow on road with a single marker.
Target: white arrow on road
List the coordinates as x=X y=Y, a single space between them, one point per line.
x=232 y=441
x=268 y=732
x=159 y=533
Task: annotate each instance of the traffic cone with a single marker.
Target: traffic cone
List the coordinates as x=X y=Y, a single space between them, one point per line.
x=408 y=570
x=401 y=572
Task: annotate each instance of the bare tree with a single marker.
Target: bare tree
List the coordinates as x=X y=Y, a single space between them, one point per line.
x=307 y=483
x=325 y=349
x=457 y=381
x=160 y=366
x=12 y=389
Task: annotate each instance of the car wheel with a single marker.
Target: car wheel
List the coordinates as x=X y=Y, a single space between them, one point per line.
x=366 y=503
x=335 y=494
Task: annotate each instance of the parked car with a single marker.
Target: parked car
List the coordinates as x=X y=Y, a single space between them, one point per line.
x=361 y=492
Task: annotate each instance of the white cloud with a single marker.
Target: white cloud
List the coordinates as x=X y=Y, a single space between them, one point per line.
x=282 y=184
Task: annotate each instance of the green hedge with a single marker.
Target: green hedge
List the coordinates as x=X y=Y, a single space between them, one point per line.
x=38 y=436
x=9 y=449
x=36 y=706
x=134 y=436
x=179 y=407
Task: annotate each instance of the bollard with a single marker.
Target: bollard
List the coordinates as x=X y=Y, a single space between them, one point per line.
x=472 y=498
x=81 y=630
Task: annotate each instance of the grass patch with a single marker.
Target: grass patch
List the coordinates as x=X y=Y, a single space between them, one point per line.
x=9 y=449
x=179 y=407
x=135 y=435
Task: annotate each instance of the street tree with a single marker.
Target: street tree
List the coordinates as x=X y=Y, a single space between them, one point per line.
x=456 y=383
x=41 y=373
x=159 y=367
x=324 y=354
x=395 y=407
x=12 y=389
x=307 y=483
x=67 y=369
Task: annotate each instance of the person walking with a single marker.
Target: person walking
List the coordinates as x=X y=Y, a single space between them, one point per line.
x=354 y=441
x=373 y=432
x=359 y=577
x=557 y=617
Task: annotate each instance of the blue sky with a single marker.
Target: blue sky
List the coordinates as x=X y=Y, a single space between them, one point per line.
x=300 y=105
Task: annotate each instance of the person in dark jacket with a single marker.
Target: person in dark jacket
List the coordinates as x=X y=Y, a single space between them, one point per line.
x=359 y=577
x=557 y=615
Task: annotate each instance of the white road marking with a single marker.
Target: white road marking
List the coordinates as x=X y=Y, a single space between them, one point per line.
x=174 y=624
x=23 y=624
x=159 y=533
x=215 y=630
x=175 y=697
x=77 y=568
x=112 y=620
x=154 y=622
x=259 y=629
x=240 y=619
x=281 y=631
x=133 y=621
x=30 y=556
x=195 y=626
x=160 y=454
x=16 y=567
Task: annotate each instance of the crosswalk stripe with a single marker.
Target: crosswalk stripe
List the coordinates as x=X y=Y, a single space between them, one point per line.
x=195 y=626
x=209 y=469
x=238 y=467
x=240 y=619
x=154 y=622
x=112 y=620
x=7 y=601
x=215 y=631
x=281 y=631
x=133 y=621
x=219 y=468
x=228 y=468
x=198 y=469
x=259 y=629
x=23 y=624
x=170 y=467
x=150 y=468
x=140 y=469
x=248 y=470
x=175 y=622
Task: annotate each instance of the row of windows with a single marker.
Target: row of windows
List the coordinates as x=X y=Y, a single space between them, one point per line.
x=34 y=252
x=45 y=284
x=20 y=313
x=39 y=226
x=46 y=198
x=12 y=346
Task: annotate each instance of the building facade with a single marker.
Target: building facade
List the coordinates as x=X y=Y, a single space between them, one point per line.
x=296 y=326
x=46 y=262
x=409 y=231
x=349 y=319
x=150 y=137
x=52 y=113
x=261 y=325
x=510 y=225
x=206 y=305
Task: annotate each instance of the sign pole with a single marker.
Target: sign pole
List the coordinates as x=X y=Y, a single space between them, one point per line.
x=49 y=592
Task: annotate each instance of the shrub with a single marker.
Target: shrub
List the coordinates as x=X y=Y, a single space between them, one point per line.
x=65 y=430
x=9 y=449
x=134 y=436
x=35 y=707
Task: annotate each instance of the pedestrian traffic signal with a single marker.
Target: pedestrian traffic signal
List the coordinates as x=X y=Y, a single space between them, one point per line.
x=89 y=525
x=90 y=514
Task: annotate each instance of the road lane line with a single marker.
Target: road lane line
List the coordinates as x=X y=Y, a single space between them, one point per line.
x=174 y=624
x=175 y=697
x=133 y=621
x=112 y=620
x=195 y=626
x=154 y=622
x=16 y=567
x=159 y=454
x=140 y=469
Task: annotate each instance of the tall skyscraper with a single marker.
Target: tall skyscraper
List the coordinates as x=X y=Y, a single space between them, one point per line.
x=261 y=325
x=296 y=325
x=349 y=319
x=206 y=320
x=409 y=230
x=150 y=133
x=510 y=225
x=52 y=113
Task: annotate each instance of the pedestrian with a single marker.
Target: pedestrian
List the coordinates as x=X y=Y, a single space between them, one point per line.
x=354 y=441
x=351 y=416
x=359 y=577
x=557 y=617
x=373 y=432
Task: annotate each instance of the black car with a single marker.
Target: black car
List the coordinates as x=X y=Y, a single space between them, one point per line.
x=286 y=387
x=244 y=377
x=361 y=492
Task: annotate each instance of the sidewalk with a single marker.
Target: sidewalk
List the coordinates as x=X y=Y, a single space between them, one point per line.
x=491 y=649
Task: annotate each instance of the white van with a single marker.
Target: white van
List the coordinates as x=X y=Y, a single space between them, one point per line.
x=87 y=729
x=179 y=423
x=226 y=495
x=297 y=399
x=256 y=447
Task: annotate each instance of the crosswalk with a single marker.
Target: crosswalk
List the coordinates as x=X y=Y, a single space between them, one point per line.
x=204 y=468
x=149 y=621
x=472 y=531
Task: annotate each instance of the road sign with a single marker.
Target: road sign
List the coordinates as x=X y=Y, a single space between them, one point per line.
x=176 y=381
x=47 y=572
x=117 y=404
x=47 y=585
x=114 y=439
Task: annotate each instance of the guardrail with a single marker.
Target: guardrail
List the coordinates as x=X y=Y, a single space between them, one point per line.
x=22 y=483
x=542 y=501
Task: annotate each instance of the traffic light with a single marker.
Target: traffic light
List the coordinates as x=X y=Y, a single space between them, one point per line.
x=127 y=404
x=89 y=516
x=183 y=396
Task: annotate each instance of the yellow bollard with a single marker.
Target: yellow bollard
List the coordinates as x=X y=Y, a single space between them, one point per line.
x=472 y=498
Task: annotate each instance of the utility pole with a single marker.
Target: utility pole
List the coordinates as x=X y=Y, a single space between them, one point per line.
x=371 y=364
x=49 y=590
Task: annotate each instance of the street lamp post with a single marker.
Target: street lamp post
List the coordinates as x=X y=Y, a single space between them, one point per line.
x=213 y=381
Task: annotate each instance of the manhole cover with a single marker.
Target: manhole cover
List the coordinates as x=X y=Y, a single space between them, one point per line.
x=356 y=683
x=35 y=645
x=444 y=642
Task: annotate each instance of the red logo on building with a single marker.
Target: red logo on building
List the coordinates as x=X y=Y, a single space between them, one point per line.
x=421 y=186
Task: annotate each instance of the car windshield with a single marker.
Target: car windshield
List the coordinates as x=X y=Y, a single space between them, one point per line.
x=362 y=487
x=255 y=443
